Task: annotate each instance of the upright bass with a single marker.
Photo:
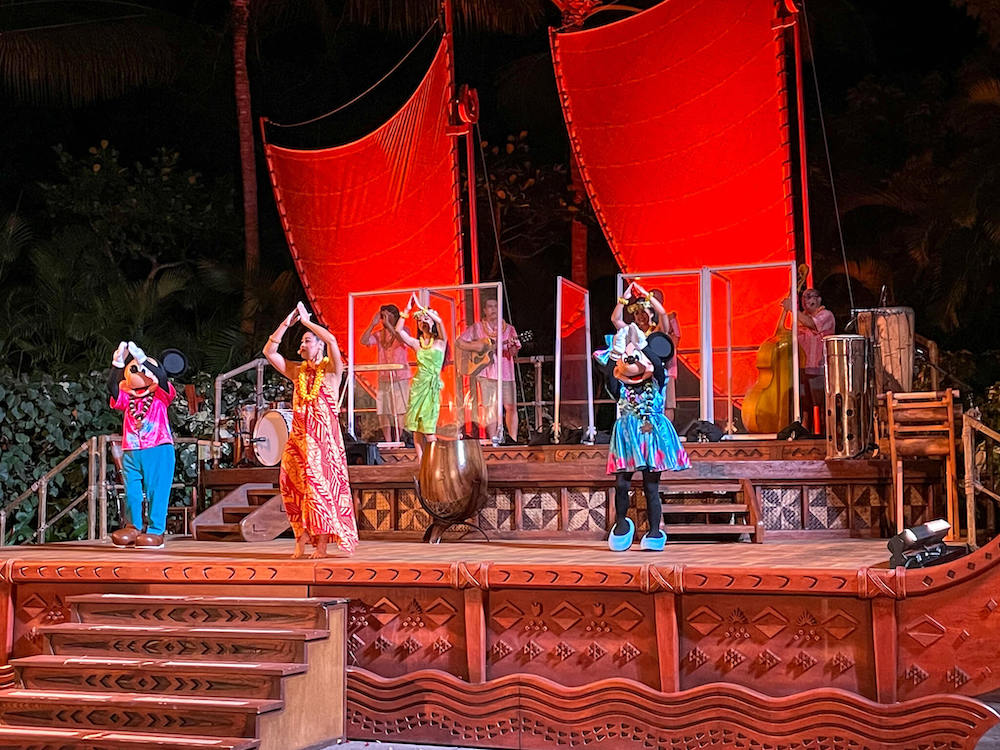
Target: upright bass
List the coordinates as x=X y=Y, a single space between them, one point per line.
x=767 y=406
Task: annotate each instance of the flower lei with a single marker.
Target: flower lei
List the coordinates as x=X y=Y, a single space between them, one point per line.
x=139 y=407
x=306 y=393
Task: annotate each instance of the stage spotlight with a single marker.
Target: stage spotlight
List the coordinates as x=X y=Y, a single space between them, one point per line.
x=923 y=546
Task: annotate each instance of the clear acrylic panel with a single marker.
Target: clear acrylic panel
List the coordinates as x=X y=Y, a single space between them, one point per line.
x=574 y=394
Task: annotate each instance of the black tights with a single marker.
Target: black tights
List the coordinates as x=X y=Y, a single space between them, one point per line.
x=651 y=488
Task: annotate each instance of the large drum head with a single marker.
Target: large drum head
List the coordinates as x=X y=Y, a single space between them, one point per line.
x=270 y=435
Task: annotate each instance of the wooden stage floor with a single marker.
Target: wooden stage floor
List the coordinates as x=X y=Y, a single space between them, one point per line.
x=827 y=553
x=525 y=644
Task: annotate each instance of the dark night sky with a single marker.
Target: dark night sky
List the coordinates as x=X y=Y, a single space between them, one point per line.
x=296 y=74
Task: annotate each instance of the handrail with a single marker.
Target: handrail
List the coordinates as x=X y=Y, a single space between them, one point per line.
x=970 y=428
x=40 y=487
x=256 y=364
x=96 y=493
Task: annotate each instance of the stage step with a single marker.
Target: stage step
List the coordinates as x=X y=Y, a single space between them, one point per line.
x=670 y=487
x=39 y=738
x=222 y=531
x=259 y=497
x=170 y=641
x=707 y=529
x=252 y=512
x=236 y=513
x=214 y=611
x=214 y=717
x=705 y=508
x=162 y=676
x=713 y=499
x=173 y=672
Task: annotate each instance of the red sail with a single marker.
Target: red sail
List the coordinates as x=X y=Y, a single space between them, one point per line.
x=379 y=213
x=678 y=119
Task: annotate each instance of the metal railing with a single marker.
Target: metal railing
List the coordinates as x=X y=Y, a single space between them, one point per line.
x=40 y=488
x=981 y=446
x=257 y=364
x=95 y=450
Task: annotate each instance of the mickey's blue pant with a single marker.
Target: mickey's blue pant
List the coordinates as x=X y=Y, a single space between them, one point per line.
x=149 y=471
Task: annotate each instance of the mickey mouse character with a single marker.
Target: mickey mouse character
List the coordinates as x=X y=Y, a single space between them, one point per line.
x=139 y=388
x=643 y=438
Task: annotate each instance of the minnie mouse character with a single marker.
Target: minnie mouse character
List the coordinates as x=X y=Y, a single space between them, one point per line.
x=643 y=438
x=139 y=388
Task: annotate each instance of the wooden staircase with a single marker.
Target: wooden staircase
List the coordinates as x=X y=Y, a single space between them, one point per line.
x=712 y=509
x=172 y=672
x=250 y=513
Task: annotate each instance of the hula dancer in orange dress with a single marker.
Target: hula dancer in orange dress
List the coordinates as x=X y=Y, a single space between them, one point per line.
x=313 y=477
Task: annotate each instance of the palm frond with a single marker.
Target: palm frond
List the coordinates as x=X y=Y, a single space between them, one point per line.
x=508 y=16
x=15 y=236
x=62 y=53
x=985 y=91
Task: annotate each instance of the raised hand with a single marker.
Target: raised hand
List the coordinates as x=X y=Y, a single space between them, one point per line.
x=303 y=314
x=138 y=354
x=118 y=358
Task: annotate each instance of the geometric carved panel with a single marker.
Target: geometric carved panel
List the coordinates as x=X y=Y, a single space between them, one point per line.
x=704 y=620
x=770 y=622
x=498 y=515
x=799 y=642
x=782 y=507
x=396 y=630
x=540 y=510
x=926 y=631
x=571 y=637
x=374 y=510
x=588 y=509
x=412 y=516
x=840 y=625
x=827 y=507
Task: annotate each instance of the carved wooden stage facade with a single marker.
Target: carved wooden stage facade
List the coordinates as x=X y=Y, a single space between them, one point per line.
x=540 y=644
x=560 y=491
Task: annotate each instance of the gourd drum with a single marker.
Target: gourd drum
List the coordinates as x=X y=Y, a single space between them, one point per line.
x=452 y=484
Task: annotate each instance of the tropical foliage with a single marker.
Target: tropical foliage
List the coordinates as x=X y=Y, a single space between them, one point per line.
x=42 y=419
x=112 y=252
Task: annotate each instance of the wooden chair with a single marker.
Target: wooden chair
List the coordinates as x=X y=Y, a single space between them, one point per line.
x=922 y=424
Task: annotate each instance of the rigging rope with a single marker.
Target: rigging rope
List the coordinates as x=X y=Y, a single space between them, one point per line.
x=829 y=162
x=364 y=93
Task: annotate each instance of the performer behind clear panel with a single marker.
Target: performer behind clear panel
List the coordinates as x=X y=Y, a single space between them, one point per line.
x=481 y=339
x=313 y=479
x=430 y=346
x=393 y=392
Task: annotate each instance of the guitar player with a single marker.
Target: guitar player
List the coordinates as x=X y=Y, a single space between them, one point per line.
x=481 y=338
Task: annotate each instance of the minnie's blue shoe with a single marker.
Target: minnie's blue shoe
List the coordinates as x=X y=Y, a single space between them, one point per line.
x=654 y=544
x=621 y=543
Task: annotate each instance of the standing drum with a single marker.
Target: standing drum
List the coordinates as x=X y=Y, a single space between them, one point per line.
x=270 y=435
x=890 y=330
x=848 y=401
x=243 y=432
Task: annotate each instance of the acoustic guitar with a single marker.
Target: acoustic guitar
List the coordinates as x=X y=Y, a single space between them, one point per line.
x=473 y=363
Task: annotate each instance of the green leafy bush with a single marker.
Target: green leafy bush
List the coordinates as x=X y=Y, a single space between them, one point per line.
x=43 y=419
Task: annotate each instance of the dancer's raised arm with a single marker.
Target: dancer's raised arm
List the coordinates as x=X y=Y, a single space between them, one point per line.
x=279 y=363
x=401 y=331
x=618 y=314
